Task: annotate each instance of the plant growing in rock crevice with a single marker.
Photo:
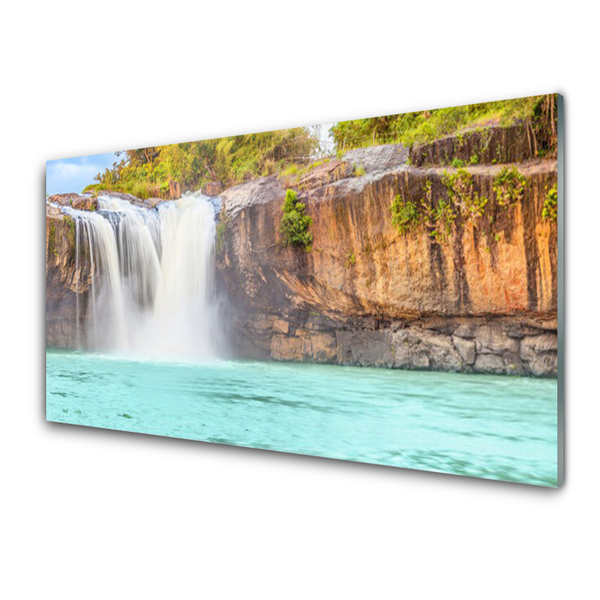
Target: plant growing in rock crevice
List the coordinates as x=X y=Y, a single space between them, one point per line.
x=509 y=186
x=52 y=240
x=221 y=232
x=295 y=223
x=350 y=259
x=437 y=217
x=444 y=217
x=71 y=238
x=405 y=215
x=550 y=209
x=462 y=194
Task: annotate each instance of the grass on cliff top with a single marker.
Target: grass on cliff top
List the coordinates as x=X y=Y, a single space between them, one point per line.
x=429 y=125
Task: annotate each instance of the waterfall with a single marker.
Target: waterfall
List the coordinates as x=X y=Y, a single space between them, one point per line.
x=151 y=276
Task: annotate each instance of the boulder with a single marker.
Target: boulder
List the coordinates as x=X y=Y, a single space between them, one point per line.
x=532 y=347
x=253 y=193
x=513 y=364
x=63 y=199
x=365 y=348
x=280 y=326
x=121 y=195
x=286 y=348
x=85 y=203
x=492 y=339
x=212 y=188
x=544 y=365
x=419 y=360
x=489 y=363
x=152 y=202
x=320 y=347
x=465 y=348
x=465 y=330
x=440 y=351
x=326 y=173
x=377 y=158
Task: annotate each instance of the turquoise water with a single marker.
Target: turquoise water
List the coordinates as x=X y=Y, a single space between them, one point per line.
x=479 y=425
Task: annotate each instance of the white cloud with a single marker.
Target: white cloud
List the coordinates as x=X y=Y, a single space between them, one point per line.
x=74 y=174
x=67 y=170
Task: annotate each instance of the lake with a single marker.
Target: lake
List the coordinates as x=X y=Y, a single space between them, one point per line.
x=495 y=427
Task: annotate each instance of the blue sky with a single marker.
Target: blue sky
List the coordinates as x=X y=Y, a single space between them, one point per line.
x=73 y=174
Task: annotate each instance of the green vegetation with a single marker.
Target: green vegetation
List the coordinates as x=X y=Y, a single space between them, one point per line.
x=509 y=186
x=544 y=125
x=316 y=163
x=52 y=240
x=360 y=171
x=71 y=230
x=291 y=170
x=295 y=223
x=438 y=217
x=71 y=237
x=405 y=215
x=146 y=172
x=439 y=220
x=294 y=172
x=538 y=112
x=350 y=259
x=550 y=210
x=221 y=233
x=461 y=193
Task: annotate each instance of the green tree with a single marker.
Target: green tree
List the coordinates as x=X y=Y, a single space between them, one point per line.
x=146 y=172
x=295 y=223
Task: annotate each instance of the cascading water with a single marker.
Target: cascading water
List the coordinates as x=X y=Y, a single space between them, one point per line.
x=151 y=276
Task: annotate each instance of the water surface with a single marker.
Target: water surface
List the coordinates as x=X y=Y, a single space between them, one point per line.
x=495 y=427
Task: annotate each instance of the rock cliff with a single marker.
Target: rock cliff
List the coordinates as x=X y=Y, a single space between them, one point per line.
x=67 y=280
x=481 y=299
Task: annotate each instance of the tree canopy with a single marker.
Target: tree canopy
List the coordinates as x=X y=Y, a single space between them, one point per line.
x=146 y=172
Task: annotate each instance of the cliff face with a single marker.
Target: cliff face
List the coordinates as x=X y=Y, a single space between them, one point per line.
x=67 y=281
x=482 y=298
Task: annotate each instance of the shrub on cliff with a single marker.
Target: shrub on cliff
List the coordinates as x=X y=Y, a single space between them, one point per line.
x=295 y=223
x=436 y=216
x=550 y=209
x=509 y=186
x=462 y=194
x=405 y=215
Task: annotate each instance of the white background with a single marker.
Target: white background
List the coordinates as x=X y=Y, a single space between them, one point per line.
x=95 y=514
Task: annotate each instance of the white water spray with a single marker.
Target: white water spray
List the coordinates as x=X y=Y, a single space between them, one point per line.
x=151 y=276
